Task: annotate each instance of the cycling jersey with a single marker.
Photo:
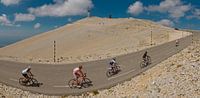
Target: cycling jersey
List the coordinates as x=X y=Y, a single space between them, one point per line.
x=112 y=62
x=75 y=70
x=25 y=71
x=145 y=55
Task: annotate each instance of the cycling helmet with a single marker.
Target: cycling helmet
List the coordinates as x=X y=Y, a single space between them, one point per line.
x=29 y=67
x=80 y=66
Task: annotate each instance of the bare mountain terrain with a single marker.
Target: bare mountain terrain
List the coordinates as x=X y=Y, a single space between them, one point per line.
x=176 y=77
x=90 y=39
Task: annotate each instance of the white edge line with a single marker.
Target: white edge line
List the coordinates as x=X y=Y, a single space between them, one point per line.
x=13 y=79
x=121 y=74
x=61 y=86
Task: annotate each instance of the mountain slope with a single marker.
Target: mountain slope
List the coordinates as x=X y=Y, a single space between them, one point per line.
x=90 y=39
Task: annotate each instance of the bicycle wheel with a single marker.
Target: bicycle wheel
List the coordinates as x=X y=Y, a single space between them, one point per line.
x=148 y=60
x=118 y=68
x=142 y=64
x=34 y=82
x=109 y=73
x=72 y=83
x=21 y=81
x=86 y=82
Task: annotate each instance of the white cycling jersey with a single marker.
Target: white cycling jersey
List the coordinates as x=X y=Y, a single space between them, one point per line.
x=25 y=71
x=113 y=61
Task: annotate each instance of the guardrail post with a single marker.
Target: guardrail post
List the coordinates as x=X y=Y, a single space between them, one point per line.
x=54 y=50
x=182 y=34
x=168 y=36
x=151 y=38
x=192 y=37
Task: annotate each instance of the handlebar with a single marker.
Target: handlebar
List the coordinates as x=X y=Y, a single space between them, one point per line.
x=84 y=75
x=31 y=76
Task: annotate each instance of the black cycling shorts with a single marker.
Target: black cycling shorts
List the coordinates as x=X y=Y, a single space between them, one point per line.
x=25 y=75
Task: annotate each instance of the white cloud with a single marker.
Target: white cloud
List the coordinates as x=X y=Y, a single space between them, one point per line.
x=62 y=8
x=69 y=19
x=166 y=22
x=18 y=25
x=175 y=8
x=195 y=14
x=55 y=26
x=10 y=2
x=37 y=25
x=4 y=20
x=58 y=1
x=24 y=17
x=135 y=8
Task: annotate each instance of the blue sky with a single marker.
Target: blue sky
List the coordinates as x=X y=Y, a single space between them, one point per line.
x=24 y=18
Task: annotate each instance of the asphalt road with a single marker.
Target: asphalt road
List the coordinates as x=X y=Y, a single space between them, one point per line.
x=56 y=77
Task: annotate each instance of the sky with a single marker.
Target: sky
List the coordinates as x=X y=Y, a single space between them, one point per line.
x=20 y=19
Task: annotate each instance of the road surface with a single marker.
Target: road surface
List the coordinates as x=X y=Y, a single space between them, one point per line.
x=56 y=77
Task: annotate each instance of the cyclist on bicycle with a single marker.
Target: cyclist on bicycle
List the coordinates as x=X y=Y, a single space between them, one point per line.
x=78 y=73
x=145 y=56
x=113 y=64
x=177 y=43
x=27 y=73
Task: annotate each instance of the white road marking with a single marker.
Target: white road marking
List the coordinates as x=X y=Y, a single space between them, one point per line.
x=13 y=79
x=121 y=74
x=61 y=86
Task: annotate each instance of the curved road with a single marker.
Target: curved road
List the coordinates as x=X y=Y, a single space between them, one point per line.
x=56 y=77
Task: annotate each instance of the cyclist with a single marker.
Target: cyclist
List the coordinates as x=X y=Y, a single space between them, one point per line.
x=177 y=43
x=113 y=64
x=27 y=73
x=78 y=74
x=145 y=56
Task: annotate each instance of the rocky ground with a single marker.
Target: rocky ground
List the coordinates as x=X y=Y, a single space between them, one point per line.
x=178 y=77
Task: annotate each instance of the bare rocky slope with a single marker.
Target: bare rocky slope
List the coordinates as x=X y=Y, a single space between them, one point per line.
x=176 y=77
x=90 y=39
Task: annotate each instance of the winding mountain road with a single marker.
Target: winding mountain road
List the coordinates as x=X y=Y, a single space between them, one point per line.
x=56 y=77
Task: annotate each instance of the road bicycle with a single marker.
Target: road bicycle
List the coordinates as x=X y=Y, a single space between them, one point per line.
x=145 y=62
x=29 y=82
x=84 y=82
x=112 y=71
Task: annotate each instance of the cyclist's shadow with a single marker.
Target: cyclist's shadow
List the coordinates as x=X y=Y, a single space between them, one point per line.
x=36 y=85
x=86 y=83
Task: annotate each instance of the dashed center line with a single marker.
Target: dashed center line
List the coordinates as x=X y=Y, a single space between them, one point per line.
x=60 y=86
